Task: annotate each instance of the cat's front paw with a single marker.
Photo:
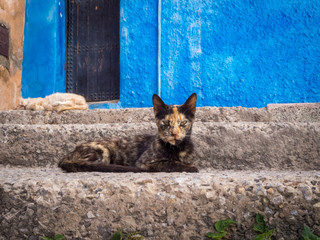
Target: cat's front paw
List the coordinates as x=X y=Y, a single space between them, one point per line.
x=180 y=167
x=191 y=169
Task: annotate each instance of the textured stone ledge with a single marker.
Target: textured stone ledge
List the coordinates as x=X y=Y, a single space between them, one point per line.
x=294 y=112
x=241 y=145
x=303 y=112
x=37 y=201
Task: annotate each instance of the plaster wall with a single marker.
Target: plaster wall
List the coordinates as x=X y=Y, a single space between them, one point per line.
x=138 y=54
x=44 y=51
x=231 y=53
x=241 y=53
x=12 y=16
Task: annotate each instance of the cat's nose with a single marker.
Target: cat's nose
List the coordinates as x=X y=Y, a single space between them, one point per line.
x=175 y=131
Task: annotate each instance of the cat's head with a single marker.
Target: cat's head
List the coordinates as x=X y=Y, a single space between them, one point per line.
x=174 y=122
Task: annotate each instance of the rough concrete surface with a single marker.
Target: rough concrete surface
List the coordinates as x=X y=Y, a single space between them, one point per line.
x=217 y=145
x=251 y=160
x=294 y=112
x=307 y=112
x=43 y=201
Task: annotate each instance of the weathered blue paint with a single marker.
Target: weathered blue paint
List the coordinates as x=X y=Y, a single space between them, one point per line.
x=138 y=54
x=231 y=53
x=241 y=53
x=44 y=51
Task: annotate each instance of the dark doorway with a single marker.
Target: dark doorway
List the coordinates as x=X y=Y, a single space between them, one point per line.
x=93 y=49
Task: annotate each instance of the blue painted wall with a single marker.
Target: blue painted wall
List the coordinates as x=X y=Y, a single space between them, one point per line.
x=231 y=53
x=44 y=48
x=241 y=53
x=138 y=54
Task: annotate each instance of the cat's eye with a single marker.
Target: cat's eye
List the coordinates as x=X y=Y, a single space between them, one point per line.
x=183 y=123
x=164 y=124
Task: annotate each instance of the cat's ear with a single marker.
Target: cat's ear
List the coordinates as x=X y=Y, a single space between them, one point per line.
x=190 y=104
x=158 y=104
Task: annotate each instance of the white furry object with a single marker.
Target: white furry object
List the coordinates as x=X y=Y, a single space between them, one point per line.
x=55 y=102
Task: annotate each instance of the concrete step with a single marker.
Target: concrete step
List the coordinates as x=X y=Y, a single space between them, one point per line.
x=218 y=145
x=251 y=160
x=303 y=112
x=38 y=202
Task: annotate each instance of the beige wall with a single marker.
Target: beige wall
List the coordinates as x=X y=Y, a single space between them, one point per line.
x=12 y=16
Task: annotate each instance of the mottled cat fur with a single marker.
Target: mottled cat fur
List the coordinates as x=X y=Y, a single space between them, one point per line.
x=170 y=150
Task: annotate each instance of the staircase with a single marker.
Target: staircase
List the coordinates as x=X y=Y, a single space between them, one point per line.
x=251 y=161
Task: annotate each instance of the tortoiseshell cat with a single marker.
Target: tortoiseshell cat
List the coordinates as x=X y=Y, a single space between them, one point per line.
x=168 y=151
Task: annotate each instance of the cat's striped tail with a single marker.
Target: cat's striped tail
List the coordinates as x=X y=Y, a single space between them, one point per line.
x=92 y=157
x=86 y=166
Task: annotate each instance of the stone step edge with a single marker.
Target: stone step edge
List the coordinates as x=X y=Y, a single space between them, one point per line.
x=153 y=124
x=217 y=145
x=303 y=112
x=44 y=201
